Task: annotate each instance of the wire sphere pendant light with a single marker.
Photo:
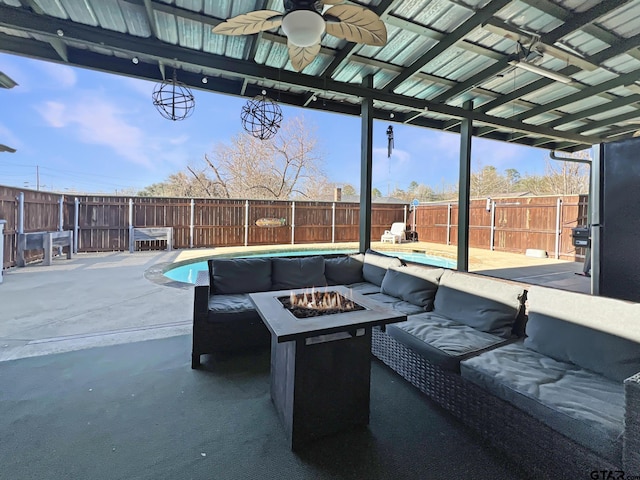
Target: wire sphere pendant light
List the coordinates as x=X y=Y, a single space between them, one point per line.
x=173 y=99
x=261 y=117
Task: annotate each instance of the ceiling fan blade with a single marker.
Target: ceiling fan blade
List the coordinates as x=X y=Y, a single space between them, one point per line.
x=249 y=23
x=356 y=24
x=302 y=56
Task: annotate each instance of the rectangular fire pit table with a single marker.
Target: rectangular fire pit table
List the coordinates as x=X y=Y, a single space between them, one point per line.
x=321 y=366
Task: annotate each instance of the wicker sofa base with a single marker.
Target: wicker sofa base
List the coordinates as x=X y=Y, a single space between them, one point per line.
x=538 y=449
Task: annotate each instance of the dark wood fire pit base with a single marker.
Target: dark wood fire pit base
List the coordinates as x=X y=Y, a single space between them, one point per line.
x=320 y=366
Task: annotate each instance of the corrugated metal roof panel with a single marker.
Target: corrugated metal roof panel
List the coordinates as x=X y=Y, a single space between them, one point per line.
x=189 y=33
x=528 y=17
x=52 y=8
x=108 y=14
x=623 y=63
x=584 y=43
x=550 y=93
x=447 y=19
x=613 y=113
x=195 y=5
x=80 y=12
x=578 y=5
x=136 y=20
x=624 y=20
x=167 y=28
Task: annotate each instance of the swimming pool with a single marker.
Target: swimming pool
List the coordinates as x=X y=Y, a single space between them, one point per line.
x=188 y=273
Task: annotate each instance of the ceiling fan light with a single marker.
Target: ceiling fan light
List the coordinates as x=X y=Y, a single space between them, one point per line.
x=303 y=28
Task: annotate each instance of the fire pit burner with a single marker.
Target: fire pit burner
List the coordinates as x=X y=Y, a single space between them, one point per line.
x=315 y=304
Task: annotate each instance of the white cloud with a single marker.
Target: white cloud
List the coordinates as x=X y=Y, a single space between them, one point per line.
x=54 y=114
x=62 y=76
x=179 y=140
x=8 y=138
x=94 y=120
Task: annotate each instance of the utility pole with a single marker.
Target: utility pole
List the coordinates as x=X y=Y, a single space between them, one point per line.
x=38 y=178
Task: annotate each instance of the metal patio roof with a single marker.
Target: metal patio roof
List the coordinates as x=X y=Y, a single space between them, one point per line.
x=440 y=55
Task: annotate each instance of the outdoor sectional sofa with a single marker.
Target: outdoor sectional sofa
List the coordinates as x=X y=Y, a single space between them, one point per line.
x=553 y=382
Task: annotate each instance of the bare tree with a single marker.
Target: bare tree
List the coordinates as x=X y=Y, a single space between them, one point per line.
x=567 y=178
x=487 y=181
x=286 y=166
x=182 y=185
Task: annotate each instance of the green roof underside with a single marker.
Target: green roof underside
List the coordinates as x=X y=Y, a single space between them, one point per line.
x=439 y=55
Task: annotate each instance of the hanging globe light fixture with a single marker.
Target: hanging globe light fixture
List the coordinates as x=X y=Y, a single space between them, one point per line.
x=261 y=117
x=173 y=99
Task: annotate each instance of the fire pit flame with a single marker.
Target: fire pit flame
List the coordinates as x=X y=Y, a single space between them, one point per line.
x=318 y=303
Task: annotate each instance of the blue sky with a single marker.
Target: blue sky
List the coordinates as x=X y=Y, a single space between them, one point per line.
x=100 y=133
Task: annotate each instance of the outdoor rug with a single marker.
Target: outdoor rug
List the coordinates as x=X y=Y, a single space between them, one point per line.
x=138 y=411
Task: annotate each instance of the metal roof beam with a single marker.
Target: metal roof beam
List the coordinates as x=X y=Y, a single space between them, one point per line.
x=413 y=27
x=606 y=122
x=449 y=40
x=607 y=106
x=578 y=21
x=474 y=80
x=152 y=48
x=151 y=17
x=581 y=95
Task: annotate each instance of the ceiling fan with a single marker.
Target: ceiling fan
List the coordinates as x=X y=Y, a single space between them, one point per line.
x=304 y=22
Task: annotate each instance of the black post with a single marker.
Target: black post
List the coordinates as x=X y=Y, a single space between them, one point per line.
x=366 y=166
x=464 y=187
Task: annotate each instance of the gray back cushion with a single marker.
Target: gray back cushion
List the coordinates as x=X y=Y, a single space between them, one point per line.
x=343 y=270
x=376 y=265
x=240 y=275
x=413 y=284
x=482 y=303
x=298 y=272
x=597 y=333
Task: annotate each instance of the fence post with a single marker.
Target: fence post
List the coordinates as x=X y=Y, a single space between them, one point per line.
x=333 y=222
x=558 y=226
x=132 y=245
x=61 y=219
x=246 y=223
x=2 y=222
x=405 y=214
x=293 y=223
x=21 y=213
x=448 y=224
x=493 y=226
x=191 y=222
x=76 y=224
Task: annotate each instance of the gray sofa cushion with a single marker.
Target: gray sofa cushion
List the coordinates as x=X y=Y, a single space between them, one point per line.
x=413 y=284
x=597 y=333
x=584 y=406
x=235 y=303
x=303 y=272
x=364 y=288
x=376 y=265
x=240 y=275
x=442 y=341
x=343 y=270
x=396 y=304
x=482 y=303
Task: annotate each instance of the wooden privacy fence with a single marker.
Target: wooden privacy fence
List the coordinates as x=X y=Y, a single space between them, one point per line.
x=104 y=223
x=508 y=224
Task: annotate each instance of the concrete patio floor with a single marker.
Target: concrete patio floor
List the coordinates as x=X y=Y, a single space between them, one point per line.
x=101 y=299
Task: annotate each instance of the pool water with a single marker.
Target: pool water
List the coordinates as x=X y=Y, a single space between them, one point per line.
x=189 y=273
